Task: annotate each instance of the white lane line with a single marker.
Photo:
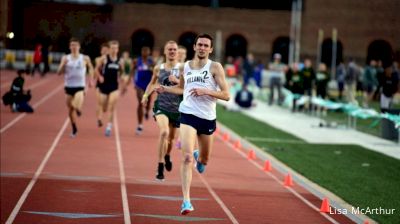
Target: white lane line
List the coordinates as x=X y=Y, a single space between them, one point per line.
x=295 y=193
x=219 y=201
x=37 y=104
x=37 y=174
x=125 y=205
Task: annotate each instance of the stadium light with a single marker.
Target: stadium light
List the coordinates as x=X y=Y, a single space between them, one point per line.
x=10 y=35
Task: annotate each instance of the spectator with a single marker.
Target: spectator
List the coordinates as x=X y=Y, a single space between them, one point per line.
x=17 y=98
x=37 y=59
x=277 y=69
x=244 y=98
x=370 y=82
x=321 y=83
x=351 y=79
x=248 y=68
x=295 y=84
x=308 y=81
x=389 y=84
x=340 y=78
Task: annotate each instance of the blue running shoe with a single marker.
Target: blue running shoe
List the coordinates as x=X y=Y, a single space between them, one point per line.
x=199 y=166
x=186 y=207
x=108 y=131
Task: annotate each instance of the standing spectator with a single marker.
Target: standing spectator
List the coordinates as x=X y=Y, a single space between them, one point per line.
x=390 y=85
x=277 y=69
x=308 y=81
x=351 y=78
x=45 y=59
x=248 y=68
x=380 y=72
x=369 y=82
x=295 y=84
x=340 y=78
x=321 y=83
x=258 y=69
x=37 y=59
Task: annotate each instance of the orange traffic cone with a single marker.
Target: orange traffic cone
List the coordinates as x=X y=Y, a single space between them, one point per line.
x=288 y=181
x=267 y=166
x=237 y=144
x=366 y=221
x=251 y=155
x=225 y=137
x=325 y=206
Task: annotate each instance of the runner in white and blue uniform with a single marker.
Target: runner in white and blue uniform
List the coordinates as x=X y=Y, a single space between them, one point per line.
x=202 y=83
x=74 y=66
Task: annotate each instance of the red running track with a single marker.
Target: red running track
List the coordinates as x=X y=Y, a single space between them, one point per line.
x=48 y=177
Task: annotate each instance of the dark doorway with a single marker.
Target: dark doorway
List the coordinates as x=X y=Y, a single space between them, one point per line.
x=281 y=46
x=326 y=52
x=236 y=45
x=140 y=38
x=380 y=50
x=187 y=40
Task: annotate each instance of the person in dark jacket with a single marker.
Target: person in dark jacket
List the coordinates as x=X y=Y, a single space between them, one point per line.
x=17 y=98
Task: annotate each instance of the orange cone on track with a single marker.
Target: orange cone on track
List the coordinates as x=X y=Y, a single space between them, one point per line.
x=267 y=166
x=251 y=155
x=325 y=205
x=288 y=181
x=225 y=137
x=366 y=221
x=237 y=144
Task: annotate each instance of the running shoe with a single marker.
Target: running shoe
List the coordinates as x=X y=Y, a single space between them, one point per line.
x=139 y=130
x=199 y=166
x=186 y=207
x=168 y=163
x=160 y=172
x=108 y=131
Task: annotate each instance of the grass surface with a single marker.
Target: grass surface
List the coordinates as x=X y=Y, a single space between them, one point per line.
x=360 y=176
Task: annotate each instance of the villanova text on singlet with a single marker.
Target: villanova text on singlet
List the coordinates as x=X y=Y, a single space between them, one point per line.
x=168 y=101
x=200 y=106
x=110 y=73
x=75 y=71
x=144 y=73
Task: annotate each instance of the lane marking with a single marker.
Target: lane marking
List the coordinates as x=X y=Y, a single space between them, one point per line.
x=37 y=104
x=167 y=198
x=69 y=215
x=125 y=205
x=37 y=174
x=179 y=218
x=218 y=199
x=295 y=193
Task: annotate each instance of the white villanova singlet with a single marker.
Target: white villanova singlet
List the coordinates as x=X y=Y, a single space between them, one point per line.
x=200 y=106
x=75 y=72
